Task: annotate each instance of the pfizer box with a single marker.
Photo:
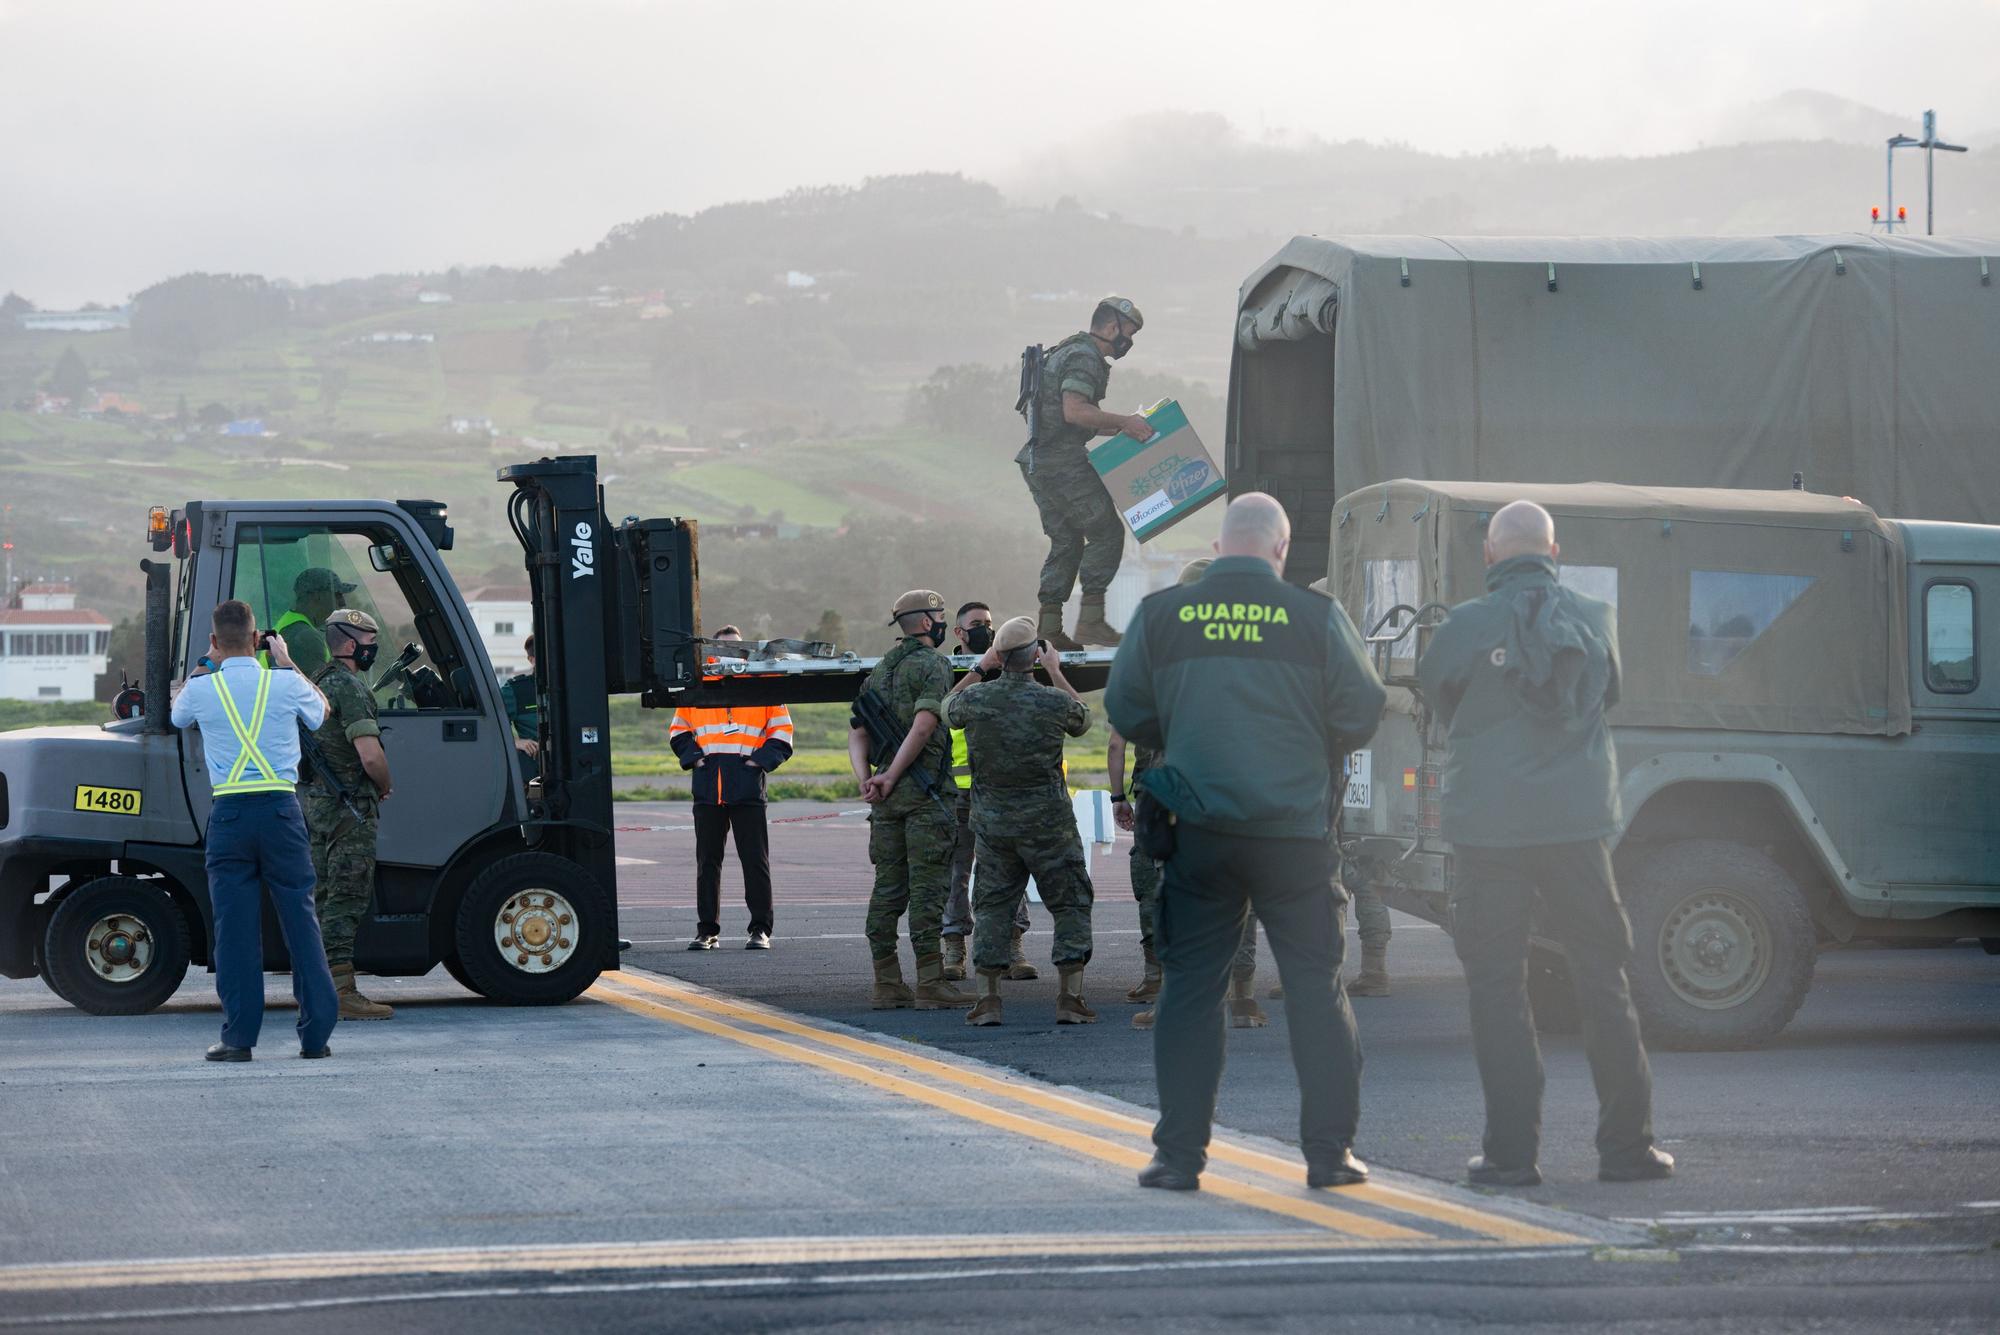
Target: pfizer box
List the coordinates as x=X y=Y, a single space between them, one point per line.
x=1157 y=484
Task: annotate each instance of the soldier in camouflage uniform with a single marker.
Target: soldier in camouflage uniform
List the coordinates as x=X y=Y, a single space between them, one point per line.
x=910 y=830
x=1022 y=820
x=1085 y=531
x=343 y=831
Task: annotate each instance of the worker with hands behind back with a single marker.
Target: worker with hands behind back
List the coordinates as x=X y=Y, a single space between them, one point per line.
x=344 y=824
x=910 y=823
x=255 y=844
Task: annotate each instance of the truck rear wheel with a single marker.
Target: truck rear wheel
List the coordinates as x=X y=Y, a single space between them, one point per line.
x=454 y=966
x=532 y=929
x=1724 y=945
x=115 y=946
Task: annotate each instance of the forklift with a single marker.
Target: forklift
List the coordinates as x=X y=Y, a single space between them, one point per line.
x=509 y=882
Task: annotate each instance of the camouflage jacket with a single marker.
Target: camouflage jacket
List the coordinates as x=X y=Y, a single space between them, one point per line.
x=1075 y=365
x=350 y=714
x=1015 y=727
x=914 y=679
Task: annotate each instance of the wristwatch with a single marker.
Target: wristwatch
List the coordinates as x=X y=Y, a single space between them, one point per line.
x=988 y=674
x=1117 y=797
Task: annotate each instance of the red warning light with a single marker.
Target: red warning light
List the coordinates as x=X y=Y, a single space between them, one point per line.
x=1874 y=215
x=1901 y=213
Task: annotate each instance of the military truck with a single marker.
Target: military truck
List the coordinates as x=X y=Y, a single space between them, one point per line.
x=1864 y=362
x=511 y=885
x=1808 y=739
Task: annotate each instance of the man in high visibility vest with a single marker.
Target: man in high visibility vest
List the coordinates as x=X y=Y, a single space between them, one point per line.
x=974 y=630
x=729 y=752
x=315 y=594
x=249 y=718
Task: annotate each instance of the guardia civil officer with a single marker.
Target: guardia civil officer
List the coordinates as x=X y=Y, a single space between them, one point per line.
x=345 y=822
x=910 y=827
x=1252 y=691
x=1022 y=820
x=1521 y=679
x=249 y=717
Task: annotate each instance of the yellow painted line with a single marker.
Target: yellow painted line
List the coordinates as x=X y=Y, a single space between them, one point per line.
x=694 y=1254
x=1243 y=1193
x=1499 y=1227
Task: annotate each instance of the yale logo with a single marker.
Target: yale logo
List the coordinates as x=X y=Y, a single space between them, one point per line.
x=1235 y=621
x=582 y=556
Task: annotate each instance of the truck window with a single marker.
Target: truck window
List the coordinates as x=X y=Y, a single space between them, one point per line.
x=294 y=575
x=1387 y=584
x=1591 y=581
x=1951 y=623
x=1729 y=609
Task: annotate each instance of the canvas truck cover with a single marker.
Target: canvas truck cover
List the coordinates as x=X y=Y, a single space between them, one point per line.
x=1759 y=611
x=1863 y=362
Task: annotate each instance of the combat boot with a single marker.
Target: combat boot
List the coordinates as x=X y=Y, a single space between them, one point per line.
x=890 y=992
x=1070 y=1007
x=1049 y=628
x=933 y=992
x=1374 y=979
x=987 y=1009
x=1149 y=986
x=954 y=958
x=1018 y=968
x=1144 y=1018
x=1092 y=628
x=1244 y=1012
x=354 y=1006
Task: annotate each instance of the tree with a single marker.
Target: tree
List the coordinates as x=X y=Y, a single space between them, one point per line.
x=332 y=384
x=181 y=417
x=831 y=629
x=14 y=304
x=71 y=378
x=215 y=416
x=127 y=658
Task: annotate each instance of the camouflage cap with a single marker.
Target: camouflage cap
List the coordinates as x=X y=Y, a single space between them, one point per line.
x=1015 y=633
x=1125 y=309
x=1194 y=570
x=318 y=579
x=352 y=618
x=917 y=600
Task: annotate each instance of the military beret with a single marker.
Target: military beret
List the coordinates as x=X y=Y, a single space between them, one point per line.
x=917 y=600
x=1194 y=570
x=354 y=619
x=1125 y=308
x=1016 y=633
x=318 y=579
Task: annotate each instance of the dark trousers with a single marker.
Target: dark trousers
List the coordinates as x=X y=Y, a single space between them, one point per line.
x=1211 y=884
x=257 y=846
x=712 y=828
x=1492 y=902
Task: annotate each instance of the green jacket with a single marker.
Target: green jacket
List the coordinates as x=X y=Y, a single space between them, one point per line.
x=523 y=705
x=1254 y=691
x=1074 y=366
x=1521 y=679
x=914 y=679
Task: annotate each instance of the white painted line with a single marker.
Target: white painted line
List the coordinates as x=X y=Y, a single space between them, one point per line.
x=1795 y=1220
x=637 y=862
x=794 y=1280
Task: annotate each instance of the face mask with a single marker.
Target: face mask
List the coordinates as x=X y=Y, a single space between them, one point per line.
x=1120 y=346
x=364 y=656
x=935 y=634
x=978 y=639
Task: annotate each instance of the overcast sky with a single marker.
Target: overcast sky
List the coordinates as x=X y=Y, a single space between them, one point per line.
x=313 y=139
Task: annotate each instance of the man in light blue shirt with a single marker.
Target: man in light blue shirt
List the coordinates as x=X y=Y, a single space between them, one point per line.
x=249 y=718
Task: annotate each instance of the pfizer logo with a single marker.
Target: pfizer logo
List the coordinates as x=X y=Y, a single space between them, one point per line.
x=1190 y=478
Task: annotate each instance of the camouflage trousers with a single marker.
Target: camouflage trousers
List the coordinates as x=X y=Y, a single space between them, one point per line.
x=1146 y=889
x=1051 y=851
x=1085 y=531
x=1371 y=916
x=343 y=857
x=911 y=851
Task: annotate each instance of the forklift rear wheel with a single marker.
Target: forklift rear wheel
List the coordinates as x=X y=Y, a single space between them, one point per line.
x=531 y=930
x=115 y=946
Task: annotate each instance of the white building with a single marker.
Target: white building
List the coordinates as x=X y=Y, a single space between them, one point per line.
x=504 y=616
x=51 y=649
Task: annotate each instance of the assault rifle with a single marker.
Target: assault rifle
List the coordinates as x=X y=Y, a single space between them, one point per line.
x=885 y=739
x=323 y=773
x=1029 y=404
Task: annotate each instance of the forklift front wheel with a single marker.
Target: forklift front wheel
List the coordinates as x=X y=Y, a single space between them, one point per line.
x=115 y=946
x=531 y=930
